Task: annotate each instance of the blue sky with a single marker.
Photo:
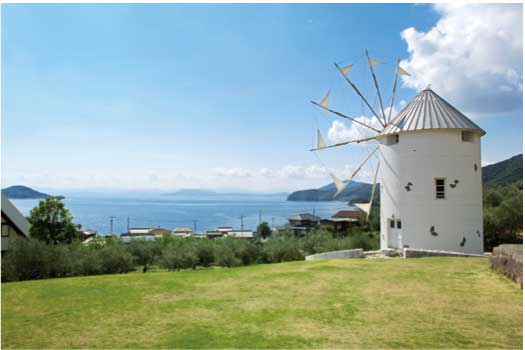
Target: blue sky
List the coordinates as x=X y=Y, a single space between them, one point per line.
x=168 y=96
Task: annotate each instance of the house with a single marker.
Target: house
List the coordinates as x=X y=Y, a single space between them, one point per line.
x=343 y=220
x=224 y=229
x=356 y=215
x=138 y=233
x=215 y=234
x=246 y=234
x=86 y=234
x=159 y=232
x=14 y=224
x=338 y=225
x=302 y=223
x=182 y=232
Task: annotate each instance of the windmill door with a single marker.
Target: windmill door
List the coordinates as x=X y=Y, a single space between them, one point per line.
x=394 y=233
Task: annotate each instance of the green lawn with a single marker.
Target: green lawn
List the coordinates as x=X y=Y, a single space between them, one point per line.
x=372 y=303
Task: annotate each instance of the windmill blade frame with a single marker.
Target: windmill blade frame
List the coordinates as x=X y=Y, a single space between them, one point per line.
x=360 y=95
x=356 y=171
x=344 y=143
x=345 y=116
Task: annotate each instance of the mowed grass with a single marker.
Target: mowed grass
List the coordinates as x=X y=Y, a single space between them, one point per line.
x=373 y=303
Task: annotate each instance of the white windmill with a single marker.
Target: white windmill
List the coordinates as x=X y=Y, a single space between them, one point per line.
x=429 y=168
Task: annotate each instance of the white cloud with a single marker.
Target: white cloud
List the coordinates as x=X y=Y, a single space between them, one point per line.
x=340 y=131
x=472 y=57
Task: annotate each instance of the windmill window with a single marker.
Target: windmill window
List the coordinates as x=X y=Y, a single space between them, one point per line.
x=467 y=136
x=392 y=139
x=392 y=224
x=399 y=224
x=440 y=188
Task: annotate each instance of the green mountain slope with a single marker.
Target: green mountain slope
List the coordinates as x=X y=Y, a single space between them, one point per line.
x=504 y=172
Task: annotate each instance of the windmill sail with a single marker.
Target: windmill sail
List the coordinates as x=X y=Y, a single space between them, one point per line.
x=374 y=114
x=373 y=62
x=401 y=71
x=326 y=100
x=355 y=172
x=346 y=69
x=366 y=207
x=320 y=142
x=340 y=185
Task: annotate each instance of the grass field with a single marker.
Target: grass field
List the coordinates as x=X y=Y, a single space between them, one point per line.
x=372 y=303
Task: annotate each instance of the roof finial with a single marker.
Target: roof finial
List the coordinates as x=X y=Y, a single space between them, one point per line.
x=428 y=87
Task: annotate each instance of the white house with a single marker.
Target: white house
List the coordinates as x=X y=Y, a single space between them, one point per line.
x=430 y=176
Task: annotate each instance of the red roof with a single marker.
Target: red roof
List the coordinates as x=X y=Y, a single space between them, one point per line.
x=348 y=214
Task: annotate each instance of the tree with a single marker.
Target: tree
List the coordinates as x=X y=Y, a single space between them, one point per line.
x=264 y=230
x=51 y=222
x=144 y=252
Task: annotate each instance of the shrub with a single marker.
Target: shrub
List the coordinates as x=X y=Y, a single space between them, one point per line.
x=179 y=256
x=25 y=260
x=144 y=252
x=281 y=249
x=115 y=258
x=86 y=261
x=245 y=251
x=205 y=252
x=225 y=256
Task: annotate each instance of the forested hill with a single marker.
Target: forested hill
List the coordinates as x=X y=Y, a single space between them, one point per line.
x=23 y=192
x=504 y=172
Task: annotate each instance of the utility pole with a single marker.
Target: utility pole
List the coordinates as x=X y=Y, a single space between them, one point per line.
x=259 y=216
x=242 y=222
x=111 y=224
x=194 y=226
x=128 y=224
x=273 y=219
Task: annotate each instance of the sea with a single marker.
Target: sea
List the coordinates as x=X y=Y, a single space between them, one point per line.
x=201 y=212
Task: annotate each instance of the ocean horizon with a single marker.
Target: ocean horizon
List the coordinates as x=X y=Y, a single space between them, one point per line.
x=204 y=212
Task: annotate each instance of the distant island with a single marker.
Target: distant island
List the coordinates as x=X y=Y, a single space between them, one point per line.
x=504 y=172
x=24 y=192
x=199 y=192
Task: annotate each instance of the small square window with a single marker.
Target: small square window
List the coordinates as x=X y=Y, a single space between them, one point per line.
x=399 y=224
x=467 y=136
x=440 y=188
x=392 y=224
x=392 y=139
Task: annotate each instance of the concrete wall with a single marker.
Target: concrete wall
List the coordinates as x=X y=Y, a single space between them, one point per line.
x=340 y=254
x=421 y=253
x=419 y=158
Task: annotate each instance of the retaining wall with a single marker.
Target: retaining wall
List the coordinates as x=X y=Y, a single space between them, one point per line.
x=420 y=253
x=340 y=254
x=508 y=260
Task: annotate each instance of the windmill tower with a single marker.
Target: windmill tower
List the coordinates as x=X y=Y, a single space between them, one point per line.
x=429 y=170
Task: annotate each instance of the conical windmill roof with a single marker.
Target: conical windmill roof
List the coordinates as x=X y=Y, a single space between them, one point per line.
x=429 y=111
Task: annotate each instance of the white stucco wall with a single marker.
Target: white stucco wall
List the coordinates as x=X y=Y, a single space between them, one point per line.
x=419 y=158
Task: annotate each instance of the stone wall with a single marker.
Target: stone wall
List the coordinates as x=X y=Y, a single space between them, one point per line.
x=340 y=254
x=508 y=260
x=420 y=253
